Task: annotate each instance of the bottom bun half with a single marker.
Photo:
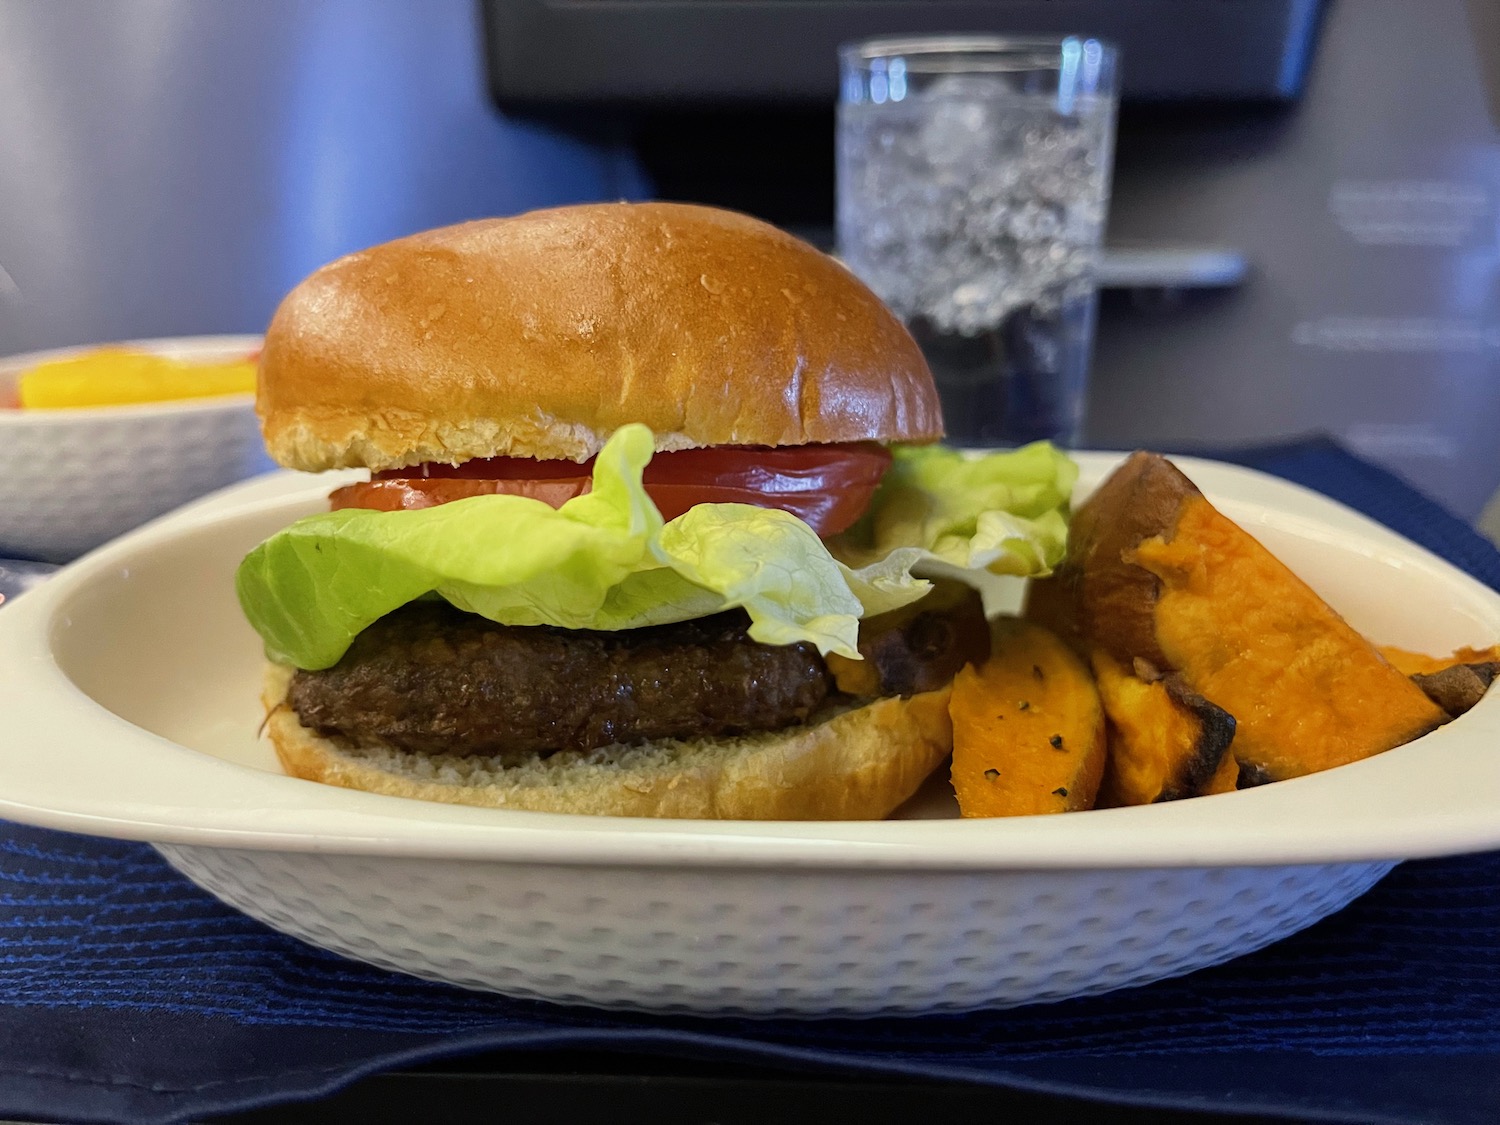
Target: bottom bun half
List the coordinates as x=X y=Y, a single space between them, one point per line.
x=854 y=764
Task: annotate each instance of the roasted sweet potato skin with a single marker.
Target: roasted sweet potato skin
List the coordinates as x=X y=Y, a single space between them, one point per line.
x=1156 y=573
x=1028 y=727
x=1458 y=688
x=1166 y=741
x=1104 y=601
x=1052 y=603
x=1455 y=682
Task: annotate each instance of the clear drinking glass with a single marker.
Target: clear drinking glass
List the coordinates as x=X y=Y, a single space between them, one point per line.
x=973 y=181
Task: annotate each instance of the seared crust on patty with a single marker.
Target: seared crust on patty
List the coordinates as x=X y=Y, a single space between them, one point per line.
x=433 y=679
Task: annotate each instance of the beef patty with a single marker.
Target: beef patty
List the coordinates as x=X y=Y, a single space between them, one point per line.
x=434 y=679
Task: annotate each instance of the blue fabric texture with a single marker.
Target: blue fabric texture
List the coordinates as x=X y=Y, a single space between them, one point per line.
x=126 y=994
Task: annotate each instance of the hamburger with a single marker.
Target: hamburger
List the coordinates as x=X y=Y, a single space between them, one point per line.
x=652 y=492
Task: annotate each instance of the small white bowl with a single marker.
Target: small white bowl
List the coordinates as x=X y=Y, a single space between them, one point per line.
x=77 y=478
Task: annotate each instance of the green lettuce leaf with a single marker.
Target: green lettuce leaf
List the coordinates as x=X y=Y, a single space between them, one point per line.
x=606 y=560
x=1004 y=513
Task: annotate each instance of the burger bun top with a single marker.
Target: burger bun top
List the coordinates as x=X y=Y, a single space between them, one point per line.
x=540 y=335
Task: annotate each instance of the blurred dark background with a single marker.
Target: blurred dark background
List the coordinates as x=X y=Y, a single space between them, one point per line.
x=173 y=166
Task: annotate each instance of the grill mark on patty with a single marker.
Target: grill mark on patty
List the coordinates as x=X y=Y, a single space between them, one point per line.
x=431 y=678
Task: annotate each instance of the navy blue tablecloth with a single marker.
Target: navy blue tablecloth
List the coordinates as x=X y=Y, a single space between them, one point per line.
x=126 y=994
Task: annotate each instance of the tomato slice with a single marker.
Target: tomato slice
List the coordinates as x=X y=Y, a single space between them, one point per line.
x=827 y=486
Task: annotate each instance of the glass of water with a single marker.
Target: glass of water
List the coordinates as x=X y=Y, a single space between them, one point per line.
x=973 y=181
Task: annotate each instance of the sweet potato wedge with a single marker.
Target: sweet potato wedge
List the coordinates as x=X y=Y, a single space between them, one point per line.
x=1028 y=727
x=1156 y=573
x=1166 y=741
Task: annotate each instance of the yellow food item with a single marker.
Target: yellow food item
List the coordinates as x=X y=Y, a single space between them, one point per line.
x=1028 y=727
x=118 y=376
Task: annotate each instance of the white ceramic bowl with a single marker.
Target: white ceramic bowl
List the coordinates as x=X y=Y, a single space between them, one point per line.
x=77 y=478
x=128 y=683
